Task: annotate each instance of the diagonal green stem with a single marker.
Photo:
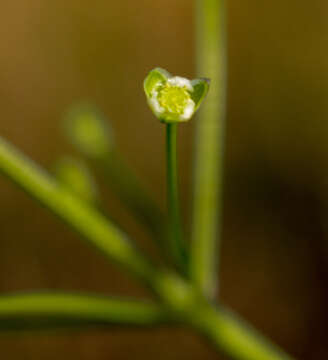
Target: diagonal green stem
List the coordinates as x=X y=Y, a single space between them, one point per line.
x=89 y=223
x=175 y=227
x=51 y=310
x=235 y=338
x=209 y=146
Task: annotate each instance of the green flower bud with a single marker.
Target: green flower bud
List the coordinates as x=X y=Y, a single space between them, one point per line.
x=173 y=98
x=89 y=131
x=76 y=176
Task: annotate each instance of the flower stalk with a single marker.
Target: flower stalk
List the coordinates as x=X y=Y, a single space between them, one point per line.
x=177 y=246
x=174 y=99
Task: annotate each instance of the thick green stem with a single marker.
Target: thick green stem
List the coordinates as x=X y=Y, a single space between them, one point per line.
x=225 y=330
x=175 y=227
x=211 y=62
x=234 y=337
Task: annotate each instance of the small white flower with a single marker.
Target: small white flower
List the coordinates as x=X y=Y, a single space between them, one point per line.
x=173 y=98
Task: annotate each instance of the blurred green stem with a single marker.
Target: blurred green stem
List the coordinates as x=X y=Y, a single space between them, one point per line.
x=50 y=311
x=225 y=330
x=175 y=227
x=234 y=337
x=89 y=131
x=131 y=192
x=180 y=300
x=82 y=217
x=211 y=61
x=44 y=310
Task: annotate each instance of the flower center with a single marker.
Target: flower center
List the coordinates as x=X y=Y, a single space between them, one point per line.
x=173 y=99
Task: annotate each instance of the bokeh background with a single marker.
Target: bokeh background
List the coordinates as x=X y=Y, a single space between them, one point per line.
x=274 y=262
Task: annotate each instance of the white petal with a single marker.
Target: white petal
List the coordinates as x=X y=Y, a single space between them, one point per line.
x=188 y=111
x=180 y=82
x=158 y=109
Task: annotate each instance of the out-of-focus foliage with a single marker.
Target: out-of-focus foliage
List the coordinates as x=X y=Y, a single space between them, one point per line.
x=274 y=259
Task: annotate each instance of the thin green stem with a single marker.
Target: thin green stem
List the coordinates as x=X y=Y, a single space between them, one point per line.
x=132 y=193
x=49 y=310
x=89 y=132
x=175 y=227
x=79 y=215
x=211 y=62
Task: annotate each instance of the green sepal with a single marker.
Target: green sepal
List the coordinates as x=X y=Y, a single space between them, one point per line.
x=154 y=78
x=201 y=87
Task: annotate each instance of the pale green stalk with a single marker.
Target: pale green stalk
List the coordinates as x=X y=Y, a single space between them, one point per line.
x=226 y=331
x=206 y=225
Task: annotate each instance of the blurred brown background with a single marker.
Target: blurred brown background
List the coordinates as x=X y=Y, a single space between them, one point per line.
x=275 y=252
